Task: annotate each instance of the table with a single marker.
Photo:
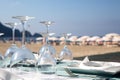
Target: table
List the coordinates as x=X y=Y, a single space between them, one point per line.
x=32 y=73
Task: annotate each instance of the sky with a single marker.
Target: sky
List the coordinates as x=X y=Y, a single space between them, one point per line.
x=79 y=17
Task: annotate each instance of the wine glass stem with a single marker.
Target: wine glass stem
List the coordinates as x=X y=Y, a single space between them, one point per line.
x=13 y=35
x=47 y=40
x=23 y=34
x=66 y=40
x=47 y=29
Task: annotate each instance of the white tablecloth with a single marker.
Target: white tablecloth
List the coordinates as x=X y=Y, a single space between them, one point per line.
x=13 y=74
x=31 y=73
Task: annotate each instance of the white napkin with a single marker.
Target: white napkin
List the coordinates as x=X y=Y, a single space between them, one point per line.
x=6 y=75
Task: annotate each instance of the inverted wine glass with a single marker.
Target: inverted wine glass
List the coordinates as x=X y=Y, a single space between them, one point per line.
x=13 y=47
x=46 y=52
x=23 y=54
x=46 y=35
x=46 y=62
x=65 y=53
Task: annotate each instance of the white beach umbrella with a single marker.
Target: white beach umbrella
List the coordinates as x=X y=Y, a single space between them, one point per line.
x=94 y=38
x=83 y=38
x=53 y=38
x=69 y=34
x=73 y=38
x=79 y=39
x=51 y=34
x=39 y=38
x=1 y=34
x=105 y=38
x=112 y=34
x=88 y=39
x=116 y=38
x=99 y=40
x=62 y=38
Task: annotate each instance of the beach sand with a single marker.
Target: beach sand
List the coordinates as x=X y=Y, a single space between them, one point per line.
x=102 y=53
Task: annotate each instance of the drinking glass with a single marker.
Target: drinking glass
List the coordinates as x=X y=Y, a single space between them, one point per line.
x=46 y=35
x=65 y=53
x=46 y=62
x=13 y=48
x=22 y=54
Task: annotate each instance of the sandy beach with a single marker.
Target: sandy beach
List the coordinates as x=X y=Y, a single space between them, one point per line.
x=111 y=53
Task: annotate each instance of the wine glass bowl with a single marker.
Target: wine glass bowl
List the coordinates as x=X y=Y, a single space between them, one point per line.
x=46 y=61
x=21 y=54
x=65 y=53
x=13 y=47
x=51 y=49
x=11 y=50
